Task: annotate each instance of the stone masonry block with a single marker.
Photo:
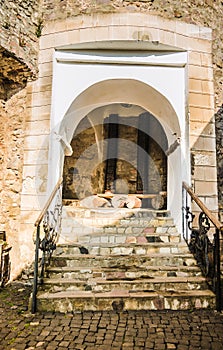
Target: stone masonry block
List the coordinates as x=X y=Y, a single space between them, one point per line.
x=120 y=239
x=95 y=239
x=205 y=188
x=128 y=230
x=105 y=251
x=161 y=229
x=172 y=229
x=164 y=250
x=165 y=238
x=175 y=238
x=104 y=239
x=111 y=239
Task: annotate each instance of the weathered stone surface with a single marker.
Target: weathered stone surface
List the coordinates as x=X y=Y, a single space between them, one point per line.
x=21 y=26
x=18 y=44
x=102 y=330
x=72 y=301
x=11 y=165
x=219 y=143
x=206 y=13
x=130 y=274
x=94 y=202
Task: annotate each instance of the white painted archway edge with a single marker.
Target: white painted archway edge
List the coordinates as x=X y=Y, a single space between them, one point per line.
x=156 y=81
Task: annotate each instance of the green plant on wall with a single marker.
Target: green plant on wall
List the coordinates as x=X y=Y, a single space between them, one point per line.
x=39 y=28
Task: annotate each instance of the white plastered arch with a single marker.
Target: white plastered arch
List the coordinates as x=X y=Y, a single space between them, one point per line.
x=131 y=91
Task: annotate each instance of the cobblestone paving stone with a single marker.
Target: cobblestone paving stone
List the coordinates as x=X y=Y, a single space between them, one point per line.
x=158 y=330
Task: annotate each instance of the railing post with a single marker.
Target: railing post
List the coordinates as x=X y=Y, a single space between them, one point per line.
x=218 y=271
x=35 y=279
x=185 y=213
x=183 y=218
x=202 y=245
x=186 y=208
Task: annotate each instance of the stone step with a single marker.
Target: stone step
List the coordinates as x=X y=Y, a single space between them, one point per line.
x=141 y=285
x=78 y=230
x=83 y=273
x=72 y=301
x=120 y=221
x=120 y=248
x=112 y=234
x=81 y=225
x=123 y=261
x=108 y=236
x=110 y=221
x=119 y=213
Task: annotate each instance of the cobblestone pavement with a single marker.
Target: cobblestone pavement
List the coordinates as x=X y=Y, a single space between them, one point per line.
x=159 y=330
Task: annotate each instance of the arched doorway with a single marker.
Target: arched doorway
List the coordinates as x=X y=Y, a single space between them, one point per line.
x=122 y=151
x=77 y=102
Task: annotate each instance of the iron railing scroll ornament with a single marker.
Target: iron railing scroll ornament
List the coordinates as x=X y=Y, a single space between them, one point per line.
x=48 y=227
x=205 y=250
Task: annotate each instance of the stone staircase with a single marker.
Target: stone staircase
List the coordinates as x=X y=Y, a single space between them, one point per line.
x=121 y=260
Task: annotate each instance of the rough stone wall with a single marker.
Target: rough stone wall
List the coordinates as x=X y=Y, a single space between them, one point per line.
x=12 y=131
x=207 y=13
x=126 y=170
x=20 y=29
x=82 y=145
x=19 y=44
x=219 y=141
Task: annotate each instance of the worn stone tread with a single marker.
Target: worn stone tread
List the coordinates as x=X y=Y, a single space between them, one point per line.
x=122 y=293
x=118 y=300
x=126 y=245
x=197 y=279
x=110 y=269
x=114 y=256
x=132 y=271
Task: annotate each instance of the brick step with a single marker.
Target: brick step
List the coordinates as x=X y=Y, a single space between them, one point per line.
x=123 y=261
x=83 y=273
x=121 y=248
x=141 y=285
x=71 y=301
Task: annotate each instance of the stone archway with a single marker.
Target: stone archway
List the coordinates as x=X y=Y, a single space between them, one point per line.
x=105 y=85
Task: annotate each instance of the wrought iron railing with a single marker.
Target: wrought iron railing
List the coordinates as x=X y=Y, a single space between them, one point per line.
x=205 y=249
x=5 y=264
x=48 y=226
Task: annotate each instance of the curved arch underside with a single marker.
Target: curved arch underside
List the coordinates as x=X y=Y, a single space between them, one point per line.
x=128 y=91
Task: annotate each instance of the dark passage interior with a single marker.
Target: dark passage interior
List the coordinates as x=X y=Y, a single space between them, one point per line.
x=132 y=158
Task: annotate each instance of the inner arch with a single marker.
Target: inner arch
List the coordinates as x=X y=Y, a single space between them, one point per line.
x=121 y=91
